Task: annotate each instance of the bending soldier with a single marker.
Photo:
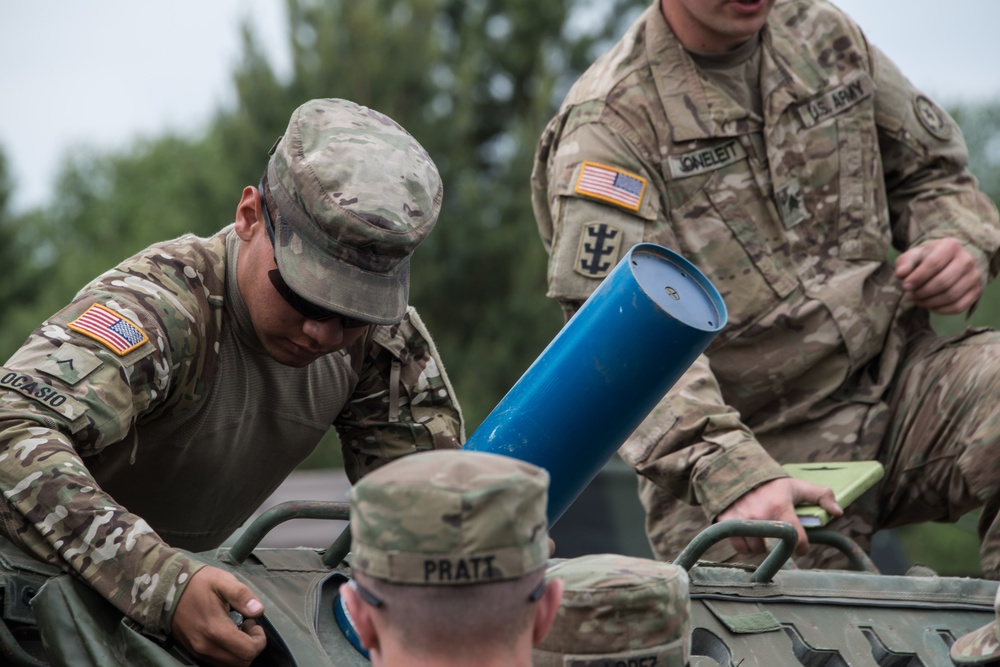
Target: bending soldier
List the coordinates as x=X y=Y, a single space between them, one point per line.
x=177 y=390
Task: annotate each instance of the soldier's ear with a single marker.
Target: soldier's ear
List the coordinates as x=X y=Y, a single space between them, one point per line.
x=546 y=608
x=361 y=614
x=248 y=213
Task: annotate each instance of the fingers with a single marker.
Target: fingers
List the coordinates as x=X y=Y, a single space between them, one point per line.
x=776 y=500
x=241 y=598
x=908 y=261
x=807 y=493
x=941 y=276
x=202 y=624
x=748 y=545
x=769 y=501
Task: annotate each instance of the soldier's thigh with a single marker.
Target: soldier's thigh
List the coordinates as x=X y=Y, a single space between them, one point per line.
x=941 y=449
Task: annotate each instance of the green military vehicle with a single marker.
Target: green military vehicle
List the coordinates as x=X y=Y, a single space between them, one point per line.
x=742 y=616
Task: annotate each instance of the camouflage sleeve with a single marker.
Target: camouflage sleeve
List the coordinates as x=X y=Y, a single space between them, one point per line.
x=54 y=510
x=693 y=444
x=697 y=448
x=403 y=402
x=65 y=397
x=931 y=193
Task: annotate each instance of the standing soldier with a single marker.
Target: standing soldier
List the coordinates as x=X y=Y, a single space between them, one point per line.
x=772 y=145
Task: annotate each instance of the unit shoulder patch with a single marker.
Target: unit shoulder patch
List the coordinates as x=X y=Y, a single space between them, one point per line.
x=932 y=118
x=610 y=184
x=107 y=327
x=597 y=254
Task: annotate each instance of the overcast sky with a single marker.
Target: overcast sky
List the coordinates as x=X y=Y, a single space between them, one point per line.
x=103 y=72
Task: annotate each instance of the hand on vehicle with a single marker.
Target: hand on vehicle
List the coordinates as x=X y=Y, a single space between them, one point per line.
x=776 y=501
x=940 y=275
x=202 y=625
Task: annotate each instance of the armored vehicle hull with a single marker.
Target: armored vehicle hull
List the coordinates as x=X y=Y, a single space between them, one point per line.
x=770 y=615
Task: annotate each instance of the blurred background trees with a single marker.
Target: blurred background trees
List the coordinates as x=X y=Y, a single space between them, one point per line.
x=474 y=80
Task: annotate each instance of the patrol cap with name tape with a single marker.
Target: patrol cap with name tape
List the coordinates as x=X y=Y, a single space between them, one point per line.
x=353 y=195
x=618 y=610
x=982 y=646
x=450 y=517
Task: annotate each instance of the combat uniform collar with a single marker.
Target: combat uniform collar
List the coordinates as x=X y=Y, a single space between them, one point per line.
x=789 y=74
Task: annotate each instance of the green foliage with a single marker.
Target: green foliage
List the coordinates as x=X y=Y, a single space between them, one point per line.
x=474 y=80
x=950 y=549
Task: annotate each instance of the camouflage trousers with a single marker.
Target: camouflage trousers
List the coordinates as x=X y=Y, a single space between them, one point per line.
x=941 y=452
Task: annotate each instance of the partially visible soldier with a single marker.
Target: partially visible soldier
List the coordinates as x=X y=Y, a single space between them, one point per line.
x=982 y=646
x=618 y=610
x=449 y=557
x=789 y=159
x=177 y=390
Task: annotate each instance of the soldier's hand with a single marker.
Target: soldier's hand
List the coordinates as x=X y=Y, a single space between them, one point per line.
x=202 y=625
x=940 y=275
x=776 y=501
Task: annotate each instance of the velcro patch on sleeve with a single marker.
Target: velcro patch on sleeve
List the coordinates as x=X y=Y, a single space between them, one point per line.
x=610 y=184
x=43 y=393
x=70 y=363
x=107 y=327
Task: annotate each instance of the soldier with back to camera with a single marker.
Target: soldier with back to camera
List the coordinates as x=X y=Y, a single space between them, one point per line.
x=449 y=556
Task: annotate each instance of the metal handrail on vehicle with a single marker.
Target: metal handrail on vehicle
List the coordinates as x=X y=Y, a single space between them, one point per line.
x=783 y=549
x=286 y=511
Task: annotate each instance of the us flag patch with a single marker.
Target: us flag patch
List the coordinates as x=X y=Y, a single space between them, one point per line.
x=108 y=327
x=611 y=185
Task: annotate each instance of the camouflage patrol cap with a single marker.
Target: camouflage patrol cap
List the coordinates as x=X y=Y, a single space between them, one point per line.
x=355 y=194
x=618 y=610
x=981 y=646
x=449 y=517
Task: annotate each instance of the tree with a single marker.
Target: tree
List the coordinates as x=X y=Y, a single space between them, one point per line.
x=475 y=82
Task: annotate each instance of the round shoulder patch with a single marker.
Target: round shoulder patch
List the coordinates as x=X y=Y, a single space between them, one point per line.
x=932 y=118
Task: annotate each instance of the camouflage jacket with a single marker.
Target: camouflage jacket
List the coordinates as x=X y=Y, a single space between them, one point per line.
x=151 y=392
x=790 y=215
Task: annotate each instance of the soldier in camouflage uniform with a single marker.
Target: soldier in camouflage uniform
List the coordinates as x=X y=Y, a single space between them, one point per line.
x=449 y=558
x=618 y=610
x=177 y=390
x=772 y=145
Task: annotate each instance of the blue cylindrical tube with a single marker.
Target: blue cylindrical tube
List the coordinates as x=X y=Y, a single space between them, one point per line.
x=605 y=371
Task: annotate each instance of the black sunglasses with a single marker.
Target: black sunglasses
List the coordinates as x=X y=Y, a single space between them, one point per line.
x=304 y=307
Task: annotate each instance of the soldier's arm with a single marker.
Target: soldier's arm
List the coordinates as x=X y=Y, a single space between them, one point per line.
x=403 y=402
x=70 y=392
x=693 y=444
x=932 y=196
x=64 y=398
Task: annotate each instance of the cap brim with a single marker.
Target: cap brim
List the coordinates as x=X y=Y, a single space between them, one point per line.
x=380 y=298
x=979 y=647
